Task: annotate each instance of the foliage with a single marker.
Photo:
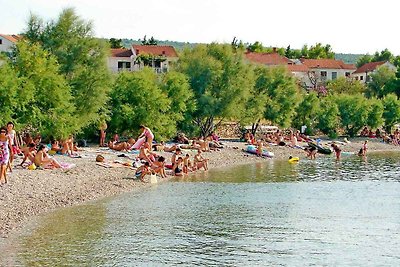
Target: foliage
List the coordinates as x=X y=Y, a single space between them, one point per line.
x=328 y=116
x=354 y=111
x=44 y=97
x=363 y=60
x=115 y=43
x=220 y=80
x=282 y=97
x=343 y=85
x=151 y=41
x=381 y=78
x=391 y=113
x=375 y=116
x=137 y=99
x=307 y=111
x=9 y=91
x=82 y=60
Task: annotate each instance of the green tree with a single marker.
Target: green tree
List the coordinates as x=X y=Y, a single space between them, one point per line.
x=380 y=78
x=44 y=97
x=363 y=60
x=391 y=113
x=328 y=116
x=220 y=80
x=82 y=59
x=115 y=43
x=9 y=91
x=375 y=116
x=354 y=111
x=384 y=55
x=137 y=99
x=256 y=47
x=343 y=85
x=283 y=97
x=307 y=112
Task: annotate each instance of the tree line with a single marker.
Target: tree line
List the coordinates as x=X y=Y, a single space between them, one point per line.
x=56 y=82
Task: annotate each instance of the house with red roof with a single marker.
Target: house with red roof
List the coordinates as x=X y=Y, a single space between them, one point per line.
x=137 y=57
x=322 y=70
x=7 y=42
x=363 y=73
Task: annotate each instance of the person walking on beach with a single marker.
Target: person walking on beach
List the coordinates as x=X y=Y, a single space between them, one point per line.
x=337 y=150
x=5 y=154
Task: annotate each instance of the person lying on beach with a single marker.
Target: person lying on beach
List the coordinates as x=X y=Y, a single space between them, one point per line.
x=142 y=171
x=177 y=167
x=42 y=159
x=118 y=146
x=162 y=147
x=200 y=162
x=158 y=167
x=29 y=153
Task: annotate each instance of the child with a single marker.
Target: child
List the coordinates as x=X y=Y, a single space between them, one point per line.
x=142 y=171
x=337 y=150
x=177 y=168
x=259 y=148
x=311 y=152
x=186 y=164
x=365 y=148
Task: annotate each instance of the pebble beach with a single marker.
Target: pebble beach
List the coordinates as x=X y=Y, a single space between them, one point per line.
x=33 y=192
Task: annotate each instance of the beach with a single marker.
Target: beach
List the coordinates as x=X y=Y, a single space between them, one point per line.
x=33 y=192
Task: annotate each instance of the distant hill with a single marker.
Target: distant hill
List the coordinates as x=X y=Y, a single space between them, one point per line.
x=347 y=58
x=177 y=45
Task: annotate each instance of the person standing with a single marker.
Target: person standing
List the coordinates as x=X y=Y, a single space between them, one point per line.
x=365 y=148
x=146 y=132
x=337 y=150
x=103 y=128
x=5 y=154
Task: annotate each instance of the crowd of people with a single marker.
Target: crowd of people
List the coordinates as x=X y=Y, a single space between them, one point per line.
x=148 y=160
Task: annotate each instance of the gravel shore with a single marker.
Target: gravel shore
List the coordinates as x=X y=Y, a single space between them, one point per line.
x=29 y=193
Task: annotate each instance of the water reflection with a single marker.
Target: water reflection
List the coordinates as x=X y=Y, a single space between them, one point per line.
x=318 y=212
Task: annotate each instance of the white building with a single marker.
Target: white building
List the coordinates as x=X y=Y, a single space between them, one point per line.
x=362 y=74
x=7 y=42
x=137 y=57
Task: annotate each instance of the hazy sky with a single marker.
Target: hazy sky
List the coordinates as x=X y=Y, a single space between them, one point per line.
x=349 y=26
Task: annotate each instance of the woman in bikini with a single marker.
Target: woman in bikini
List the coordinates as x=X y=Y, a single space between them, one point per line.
x=146 y=132
x=42 y=159
x=5 y=154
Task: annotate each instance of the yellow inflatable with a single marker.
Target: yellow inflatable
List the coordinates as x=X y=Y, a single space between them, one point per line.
x=294 y=159
x=32 y=167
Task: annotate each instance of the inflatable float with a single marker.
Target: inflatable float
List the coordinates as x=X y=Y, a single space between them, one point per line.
x=320 y=149
x=253 y=150
x=139 y=143
x=294 y=159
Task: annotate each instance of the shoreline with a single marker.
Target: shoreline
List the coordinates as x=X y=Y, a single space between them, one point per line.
x=32 y=193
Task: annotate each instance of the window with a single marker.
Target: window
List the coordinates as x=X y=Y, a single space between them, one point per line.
x=361 y=78
x=334 y=75
x=122 y=65
x=323 y=74
x=1 y=41
x=347 y=74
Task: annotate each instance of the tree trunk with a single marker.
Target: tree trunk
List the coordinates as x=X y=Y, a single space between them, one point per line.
x=254 y=127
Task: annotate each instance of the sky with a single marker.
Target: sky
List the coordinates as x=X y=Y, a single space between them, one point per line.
x=349 y=26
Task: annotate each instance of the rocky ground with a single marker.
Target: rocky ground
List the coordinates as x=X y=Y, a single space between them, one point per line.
x=31 y=192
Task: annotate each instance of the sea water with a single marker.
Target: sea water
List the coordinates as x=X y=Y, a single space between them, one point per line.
x=322 y=213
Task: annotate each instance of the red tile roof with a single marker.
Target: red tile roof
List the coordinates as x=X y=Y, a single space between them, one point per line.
x=12 y=38
x=156 y=50
x=267 y=58
x=327 y=64
x=298 y=68
x=368 y=67
x=121 y=52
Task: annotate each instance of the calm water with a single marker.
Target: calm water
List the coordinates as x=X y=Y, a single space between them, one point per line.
x=273 y=214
